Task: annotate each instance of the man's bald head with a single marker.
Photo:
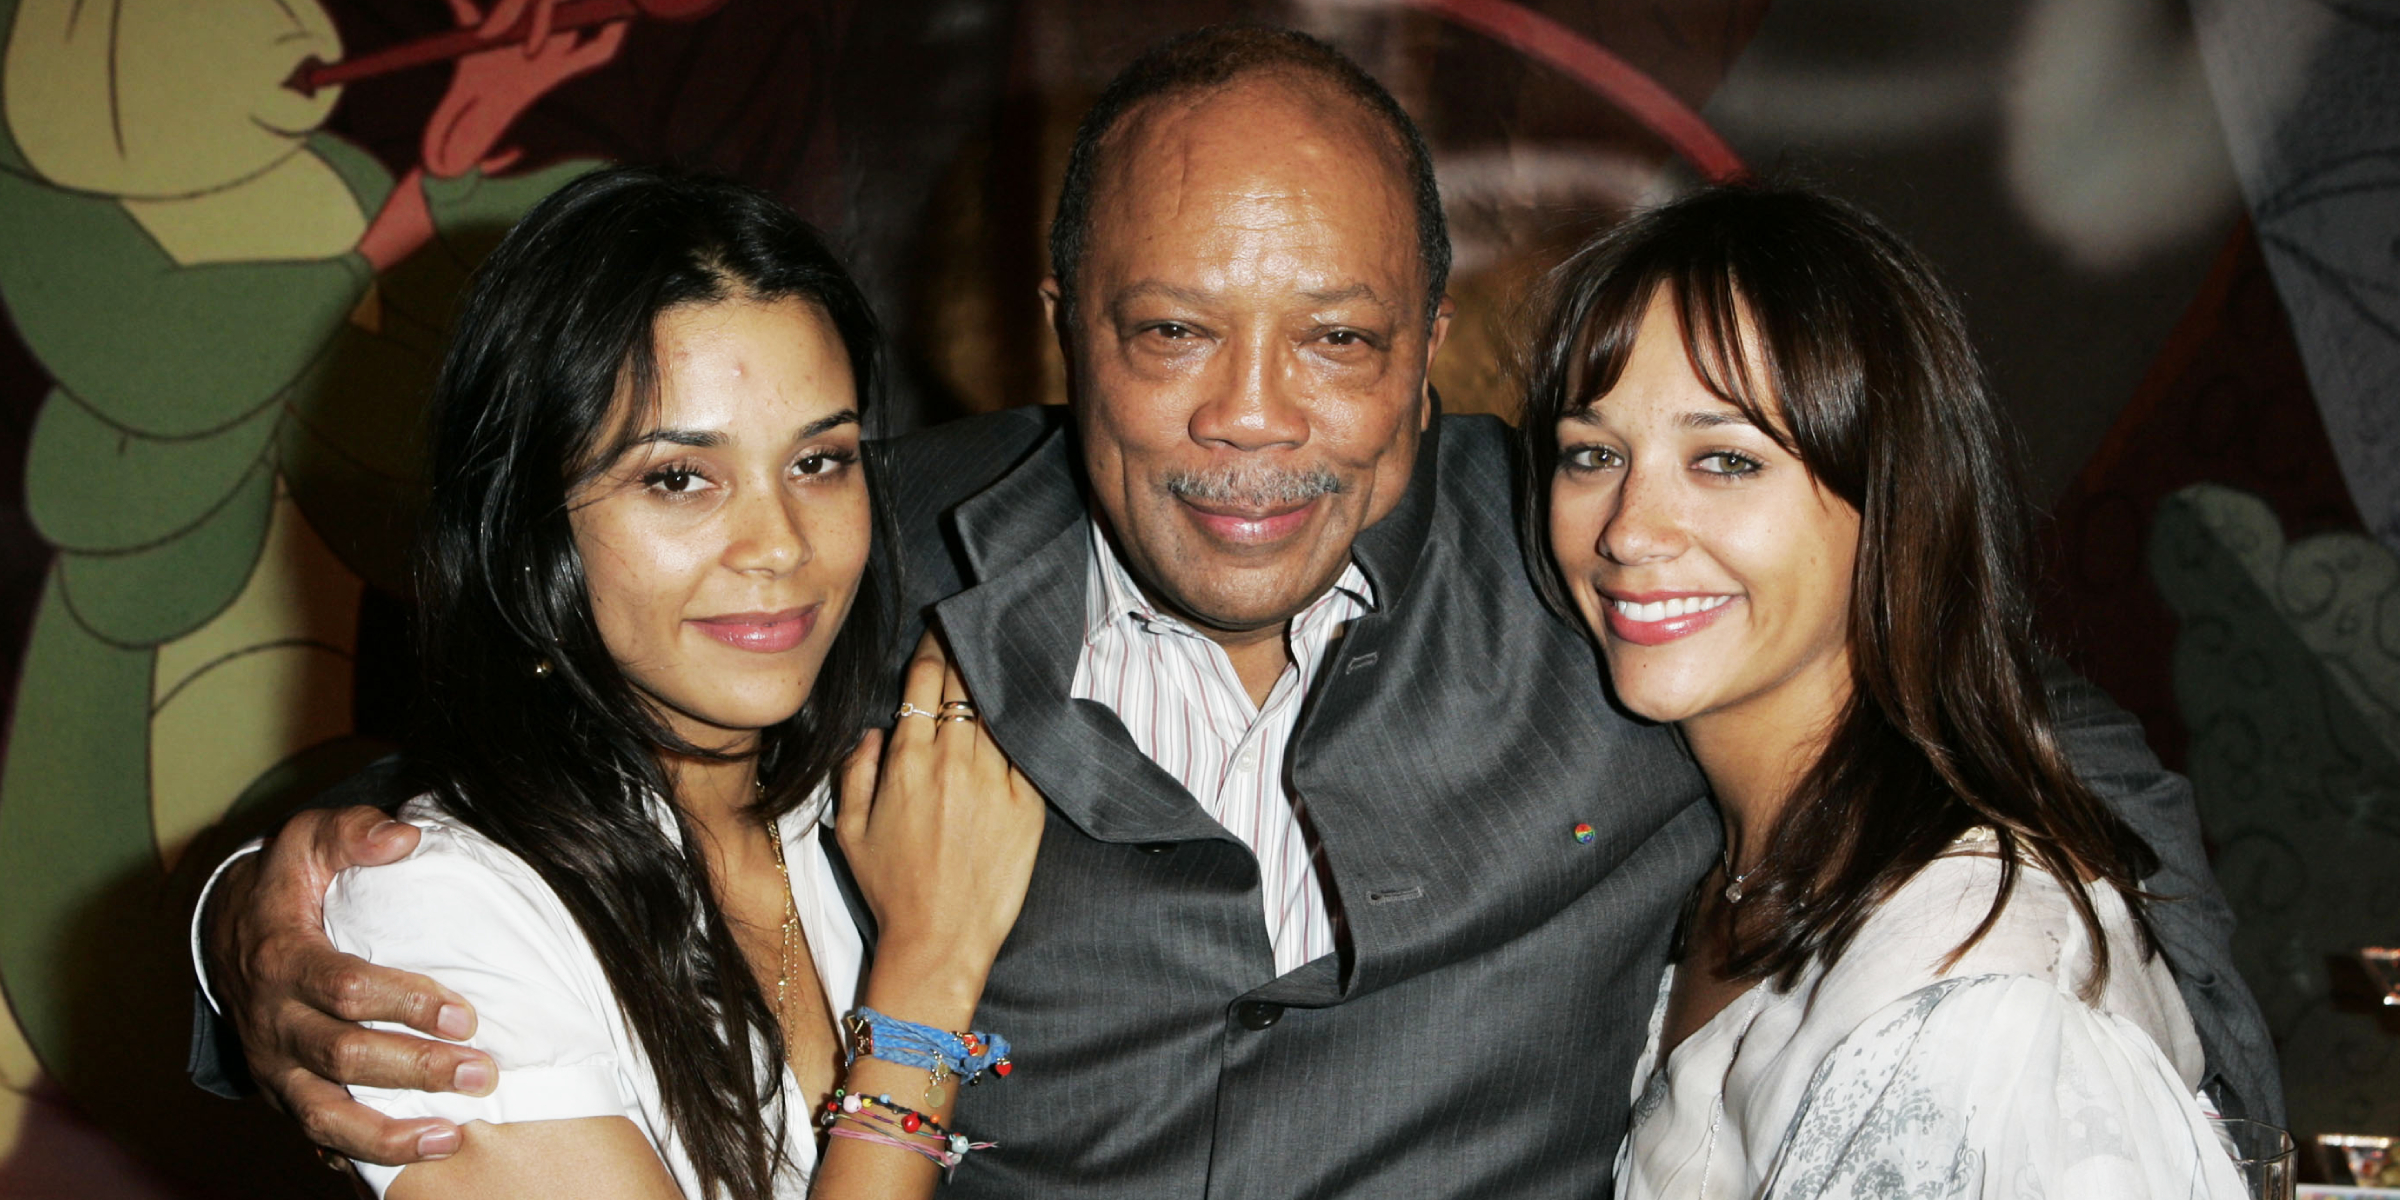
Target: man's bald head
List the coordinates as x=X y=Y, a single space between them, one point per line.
x=1211 y=59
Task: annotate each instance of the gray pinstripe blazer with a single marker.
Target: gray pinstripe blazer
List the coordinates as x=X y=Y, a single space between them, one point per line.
x=1478 y=1033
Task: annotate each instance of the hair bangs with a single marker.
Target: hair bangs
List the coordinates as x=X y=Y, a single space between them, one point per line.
x=1837 y=340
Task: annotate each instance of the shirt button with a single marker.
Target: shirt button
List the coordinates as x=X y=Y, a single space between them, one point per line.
x=1248 y=759
x=1257 y=1014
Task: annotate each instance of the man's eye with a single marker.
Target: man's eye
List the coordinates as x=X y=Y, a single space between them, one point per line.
x=1172 y=331
x=1346 y=337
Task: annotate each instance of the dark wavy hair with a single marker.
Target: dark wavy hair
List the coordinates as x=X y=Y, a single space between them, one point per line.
x=1211 y=58
x=561 y=765
x=1882 y=398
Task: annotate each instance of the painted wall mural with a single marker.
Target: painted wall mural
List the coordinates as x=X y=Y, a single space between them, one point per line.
x=225 y=284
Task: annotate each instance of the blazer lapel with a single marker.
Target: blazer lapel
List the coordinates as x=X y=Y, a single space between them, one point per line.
x=1016 y=634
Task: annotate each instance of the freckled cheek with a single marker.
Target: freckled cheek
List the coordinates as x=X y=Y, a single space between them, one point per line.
x=636 y=624
x=639 y=573
x=1575 y=527
x=1801 y=580
x=839 y=537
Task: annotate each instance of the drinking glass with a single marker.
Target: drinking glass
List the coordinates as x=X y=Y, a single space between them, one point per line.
x=2262 y=1156
x=2383 y=966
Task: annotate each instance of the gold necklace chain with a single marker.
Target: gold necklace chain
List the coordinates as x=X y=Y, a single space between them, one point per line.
x=791 y=931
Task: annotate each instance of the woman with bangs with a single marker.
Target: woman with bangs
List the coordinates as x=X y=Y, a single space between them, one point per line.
x=1774 y=486
x=652 y=616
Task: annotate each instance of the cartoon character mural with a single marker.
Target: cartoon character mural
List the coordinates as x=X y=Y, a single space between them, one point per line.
x=241 y=314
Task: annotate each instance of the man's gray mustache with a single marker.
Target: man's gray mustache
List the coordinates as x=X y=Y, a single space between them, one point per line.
x=1253 y=487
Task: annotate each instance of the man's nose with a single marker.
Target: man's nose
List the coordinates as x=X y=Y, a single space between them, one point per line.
x=767 y=532
x=1645 y=523
x=1255 y=404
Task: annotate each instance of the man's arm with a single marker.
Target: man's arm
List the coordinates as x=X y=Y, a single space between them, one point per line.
x=2195 y=925
x=293 y=1002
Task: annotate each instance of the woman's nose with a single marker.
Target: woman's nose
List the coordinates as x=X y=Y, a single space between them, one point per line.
x=769 y=534
x=1644 y=525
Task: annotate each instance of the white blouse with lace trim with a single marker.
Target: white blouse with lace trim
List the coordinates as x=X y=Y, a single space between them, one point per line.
x=1891 y=1075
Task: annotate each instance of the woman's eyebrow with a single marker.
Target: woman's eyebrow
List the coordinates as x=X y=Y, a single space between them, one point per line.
x=826 y=424
x=1714 y=418
x=700 y=439
x=708 y=439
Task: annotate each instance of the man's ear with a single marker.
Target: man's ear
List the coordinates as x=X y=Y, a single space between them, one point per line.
x=1056 y=315
x=1054 y=309
x=1434 y=337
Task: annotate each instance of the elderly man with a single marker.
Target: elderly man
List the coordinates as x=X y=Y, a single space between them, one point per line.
x=1354 y=881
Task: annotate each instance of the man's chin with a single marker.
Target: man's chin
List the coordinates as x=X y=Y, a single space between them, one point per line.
x=1244 y=609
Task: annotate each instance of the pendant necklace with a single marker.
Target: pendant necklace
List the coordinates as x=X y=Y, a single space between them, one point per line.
x=1733 y=882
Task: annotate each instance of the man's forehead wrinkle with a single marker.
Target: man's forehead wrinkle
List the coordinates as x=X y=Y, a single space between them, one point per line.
x=1260 y=183
x=1360 y=290
x=1144 y=289
x=1293 y=113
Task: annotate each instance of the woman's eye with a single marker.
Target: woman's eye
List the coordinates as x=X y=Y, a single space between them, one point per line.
x=1729 y=462
x=1587 y=458
x=674 y=481
x=822 y=462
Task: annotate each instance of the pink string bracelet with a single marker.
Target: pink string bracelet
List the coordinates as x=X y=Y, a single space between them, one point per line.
x=911 y=1130
x=947 y=1161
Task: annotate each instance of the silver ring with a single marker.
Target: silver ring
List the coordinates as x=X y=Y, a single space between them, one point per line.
x=911 y=710
x=959 y=708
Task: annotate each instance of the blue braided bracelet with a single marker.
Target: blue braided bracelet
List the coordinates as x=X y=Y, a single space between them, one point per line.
x=936 y=1051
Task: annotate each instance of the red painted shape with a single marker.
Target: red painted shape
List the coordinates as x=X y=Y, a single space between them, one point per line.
x=1620 y=82
x=442 y=47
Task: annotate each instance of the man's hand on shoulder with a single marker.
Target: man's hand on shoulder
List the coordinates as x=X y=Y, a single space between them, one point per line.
x=297 y=1002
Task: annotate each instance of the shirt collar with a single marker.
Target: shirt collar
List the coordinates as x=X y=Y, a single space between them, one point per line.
x=1112 y=597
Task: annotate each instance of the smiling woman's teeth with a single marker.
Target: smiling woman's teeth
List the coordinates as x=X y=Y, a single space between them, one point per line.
x=1660 y=610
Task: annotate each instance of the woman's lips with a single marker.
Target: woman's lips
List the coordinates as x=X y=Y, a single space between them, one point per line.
x=1251 y=528
x=1655 y=619
x=762 y=633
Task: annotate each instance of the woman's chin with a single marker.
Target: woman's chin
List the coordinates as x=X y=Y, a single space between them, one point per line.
x=726 y=724
x=1645 y=699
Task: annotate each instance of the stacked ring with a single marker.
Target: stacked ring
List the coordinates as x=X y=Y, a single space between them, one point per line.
x=957 y=710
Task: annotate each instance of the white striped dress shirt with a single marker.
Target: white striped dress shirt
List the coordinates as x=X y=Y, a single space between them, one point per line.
x=1178 y=695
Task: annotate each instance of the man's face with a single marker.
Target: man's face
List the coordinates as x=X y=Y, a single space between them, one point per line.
x=1249 y=345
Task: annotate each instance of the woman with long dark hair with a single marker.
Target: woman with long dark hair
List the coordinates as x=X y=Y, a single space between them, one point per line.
x=652 y=621
x=1774 y=485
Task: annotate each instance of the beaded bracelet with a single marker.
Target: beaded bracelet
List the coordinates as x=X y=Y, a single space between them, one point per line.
x=939 y=1144
x=967 y=1055
x=908 y=1120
